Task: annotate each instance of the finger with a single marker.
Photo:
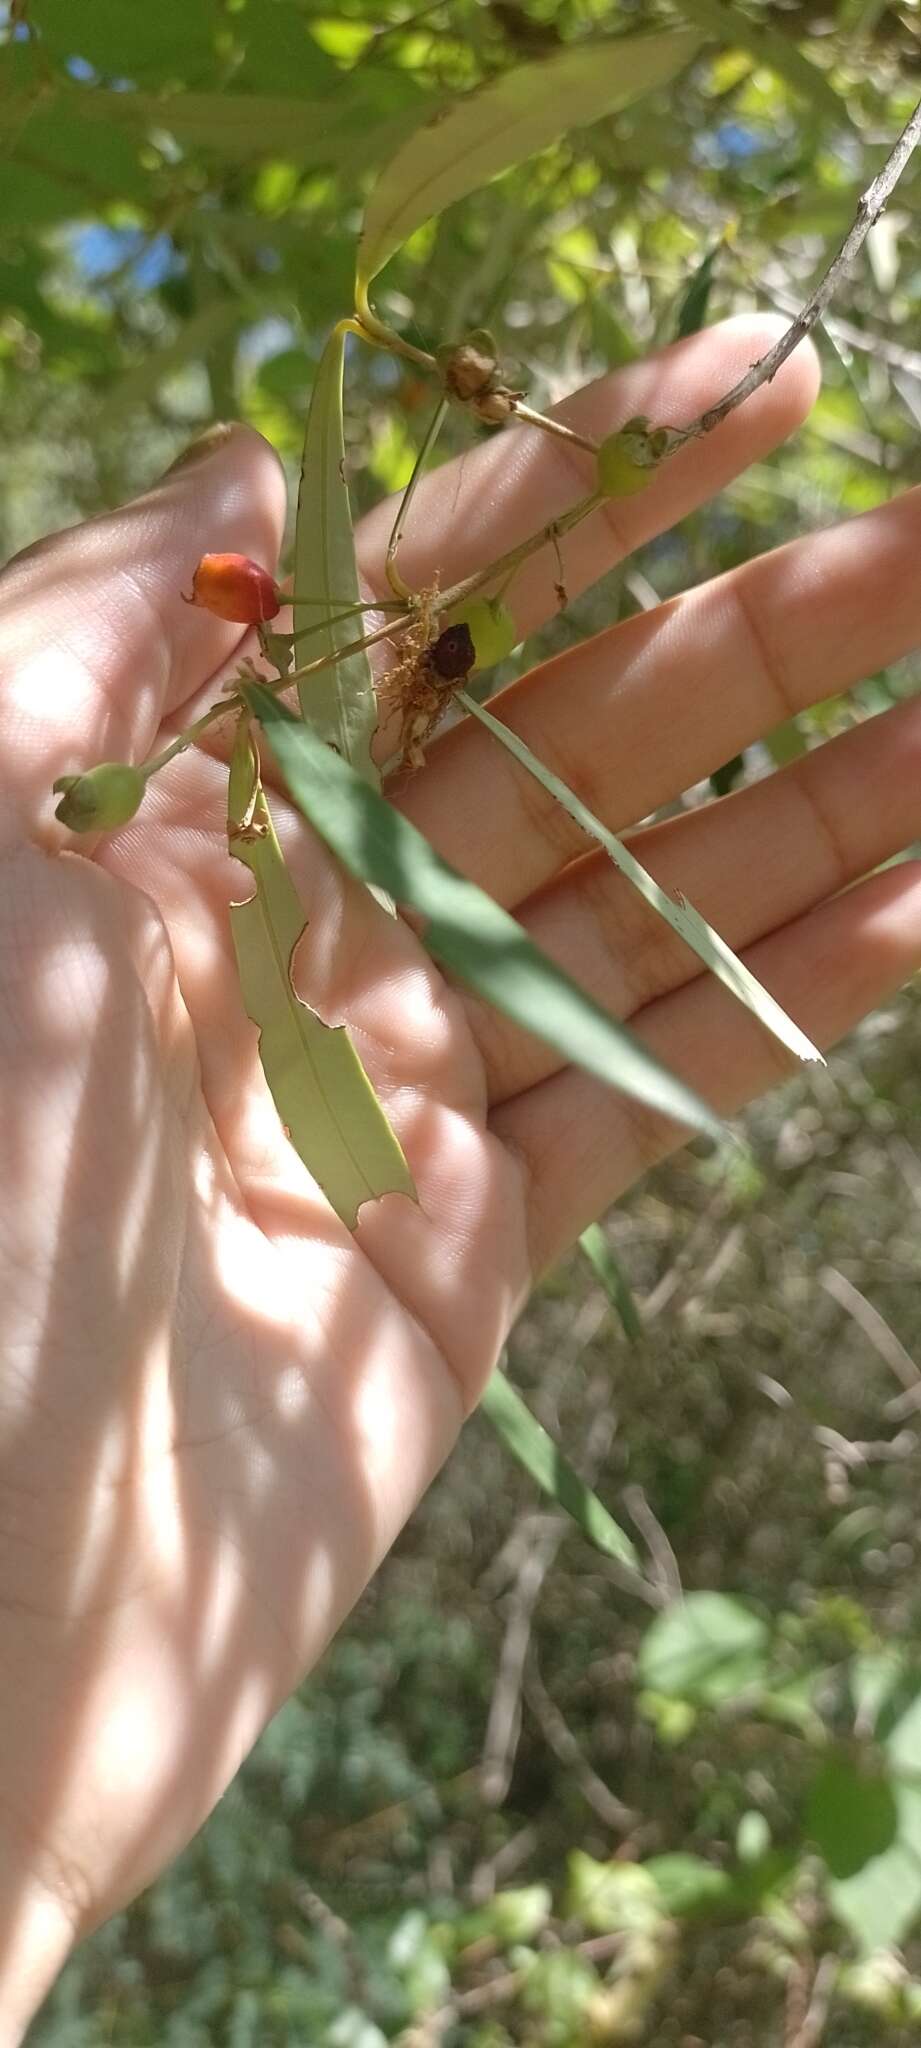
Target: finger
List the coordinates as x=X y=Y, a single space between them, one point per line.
x=95 y=640
x=749 y=863
x=581 y=1145
x=493 y=497
x=363 y=968
x=648 y=708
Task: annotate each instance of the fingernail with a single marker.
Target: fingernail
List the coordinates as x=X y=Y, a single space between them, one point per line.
x=203 y=445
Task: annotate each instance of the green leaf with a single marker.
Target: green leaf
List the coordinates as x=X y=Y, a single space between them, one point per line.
x=777 y=52
x=172 y=39
x=530 y=1443
x=786 y=743
x=687 y=1886
x=464 y=928
x=708 y=1647
x=65 y=166
x=692 y=309
x=515 y=1915
x=318 y=1084
x=753 y=1836
x=338 y=703
x=604 y=1264
x=898 y=1728
x=346 y=135
x=610 y=1897
x=850 y=1815
x=867 y=1829
x=487 y=131
x=556 y=1989
x=680 y=915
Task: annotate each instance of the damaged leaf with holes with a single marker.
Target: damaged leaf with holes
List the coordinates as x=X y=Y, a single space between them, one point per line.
x=320 y=1089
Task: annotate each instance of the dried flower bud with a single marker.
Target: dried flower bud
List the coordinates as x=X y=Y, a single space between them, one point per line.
x=234 y=587
x=102 y=799
x=469 y=367
x=495 y=406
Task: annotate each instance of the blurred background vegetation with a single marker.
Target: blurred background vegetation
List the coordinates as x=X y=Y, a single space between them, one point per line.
x=531 y=1797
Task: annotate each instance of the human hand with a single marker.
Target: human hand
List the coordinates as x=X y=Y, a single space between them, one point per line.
x=218 y=1407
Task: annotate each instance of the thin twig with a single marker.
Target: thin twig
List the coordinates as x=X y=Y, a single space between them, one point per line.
x=548 y=425
x=598 y=1948
x=809 y=2033
x=559 y=1736
x=504 y=1722
x=662 y=1556
x=874 y=1326
x=429 y=438
x=870 y=206
x=867 y=339
x=497 y=1869
x=502 y=1728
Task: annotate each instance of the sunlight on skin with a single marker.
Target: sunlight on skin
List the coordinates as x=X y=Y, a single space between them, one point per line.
x=219 y=1408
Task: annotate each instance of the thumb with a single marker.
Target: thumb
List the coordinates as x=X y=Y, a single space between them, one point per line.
x=96 y=644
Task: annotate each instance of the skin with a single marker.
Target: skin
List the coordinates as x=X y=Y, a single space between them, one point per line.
x=218 y=1408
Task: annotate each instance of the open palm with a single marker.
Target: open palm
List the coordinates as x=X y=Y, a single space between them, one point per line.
x=218 y=1408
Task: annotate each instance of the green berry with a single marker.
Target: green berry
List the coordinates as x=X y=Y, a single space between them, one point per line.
x=492 y=629
x=627 y=460
x=102 y=799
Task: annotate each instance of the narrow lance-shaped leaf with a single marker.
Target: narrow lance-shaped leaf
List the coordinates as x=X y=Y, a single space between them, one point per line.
x=464 y=928
x=681 y=915
x=242 y=128
x=529 y=1442
x=318 y=1084
x=597 y=1250
x=692 y=307
x=487 y=131
x=339 y=702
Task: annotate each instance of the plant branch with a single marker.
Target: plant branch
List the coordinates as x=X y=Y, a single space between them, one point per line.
x=870 y=205
x=429 y=438
x=548 y=425
x=869 y=208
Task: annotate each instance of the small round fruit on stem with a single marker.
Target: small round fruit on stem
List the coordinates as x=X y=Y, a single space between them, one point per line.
x=628 y=460
x=491 y=627
x=235 y=587
x=104 y=798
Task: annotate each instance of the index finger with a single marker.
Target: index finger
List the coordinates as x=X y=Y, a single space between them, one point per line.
x=490 y=499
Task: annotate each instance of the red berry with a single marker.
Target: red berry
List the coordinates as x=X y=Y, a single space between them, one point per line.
x=235 y=587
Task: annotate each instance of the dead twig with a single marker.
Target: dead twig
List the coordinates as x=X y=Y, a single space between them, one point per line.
x=504 y=1723
x=560 y=1738
x=874 y=1326
x=808 y=2033
x=663 y=1558
x=870 y=206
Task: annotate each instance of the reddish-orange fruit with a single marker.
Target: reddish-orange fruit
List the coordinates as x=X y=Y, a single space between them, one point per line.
x=235 y=587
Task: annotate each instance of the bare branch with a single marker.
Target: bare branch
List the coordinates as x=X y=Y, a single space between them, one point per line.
x=662 y=1556
x=810 y=2032
x=874 y=1326
x=504 y=1722
x=560 y=1738
x=870 y=205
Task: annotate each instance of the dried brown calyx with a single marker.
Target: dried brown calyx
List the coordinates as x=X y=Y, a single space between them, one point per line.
x=421 y=684
x=472 y=375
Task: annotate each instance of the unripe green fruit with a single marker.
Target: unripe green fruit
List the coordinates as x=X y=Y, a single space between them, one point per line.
x=491 y=626
x=102 y=799
x=627 y=460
